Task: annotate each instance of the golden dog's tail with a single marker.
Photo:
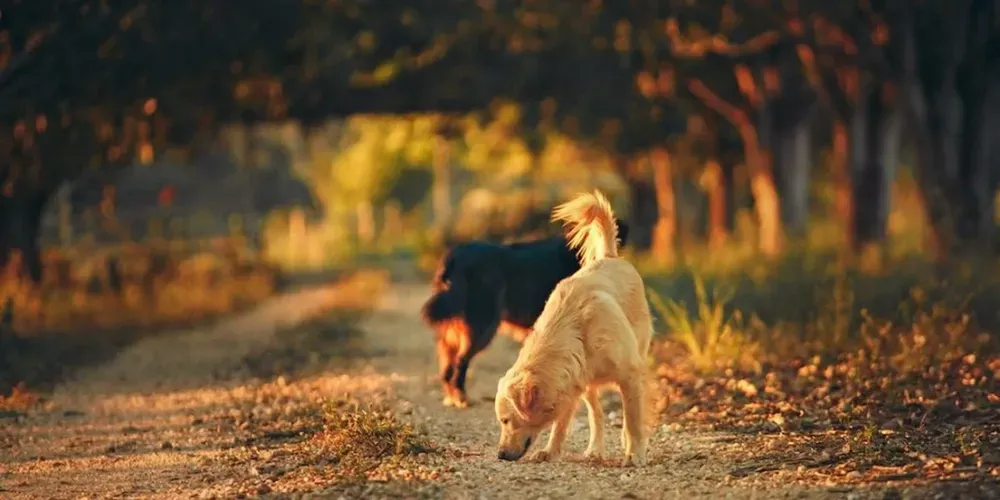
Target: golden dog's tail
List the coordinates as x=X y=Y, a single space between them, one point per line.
x=594 y=232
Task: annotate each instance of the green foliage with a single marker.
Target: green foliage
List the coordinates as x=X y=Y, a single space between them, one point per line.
x=364 y=155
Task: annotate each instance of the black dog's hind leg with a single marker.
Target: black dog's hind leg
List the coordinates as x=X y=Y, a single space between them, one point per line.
x=446 y=355
x=482 y=323
x=464 y=358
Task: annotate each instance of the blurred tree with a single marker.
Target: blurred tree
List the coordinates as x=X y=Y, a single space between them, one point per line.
x=88 y=83
x=924 y=68
x=103 y=83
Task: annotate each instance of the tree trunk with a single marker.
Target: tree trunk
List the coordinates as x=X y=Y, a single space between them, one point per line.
x=843 y=197
x=792 y=159
x=366 y=223
x=719 y=189
x=441 y=189
x=20 y=227
x=991 y=157
x=764 y=190
x=759 y=166
x=665 y=231
x=937 y=168
x=975 y=208
x=876 y=133
x=642 y=210
x=892 y=143
x=947 y=84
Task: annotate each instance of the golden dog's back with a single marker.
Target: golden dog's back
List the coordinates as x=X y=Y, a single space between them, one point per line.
x=607 y=283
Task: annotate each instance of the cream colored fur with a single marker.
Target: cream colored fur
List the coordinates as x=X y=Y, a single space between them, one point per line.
x=594 y=331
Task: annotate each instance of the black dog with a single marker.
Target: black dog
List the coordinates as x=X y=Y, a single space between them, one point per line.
x=479 y=286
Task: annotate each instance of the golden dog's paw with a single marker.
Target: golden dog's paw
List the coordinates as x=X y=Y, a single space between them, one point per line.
x=447 y=400
x=542 y=456
x=634 y=460
x=593 y=454
x=460 y=402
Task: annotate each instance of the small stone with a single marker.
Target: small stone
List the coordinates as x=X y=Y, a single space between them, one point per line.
x=167 y=445
x=747 y=388
x=991 y=458
x=892 y=424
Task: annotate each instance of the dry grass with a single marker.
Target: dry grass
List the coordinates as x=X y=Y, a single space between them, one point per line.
x=88 y=307
x=18 y=401
x=141 y=287
x=365 y=442
x=856 y=376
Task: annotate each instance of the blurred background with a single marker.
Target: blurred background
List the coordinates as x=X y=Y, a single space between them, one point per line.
x=800 y=176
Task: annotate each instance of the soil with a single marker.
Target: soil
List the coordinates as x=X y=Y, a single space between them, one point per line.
x=227 y=411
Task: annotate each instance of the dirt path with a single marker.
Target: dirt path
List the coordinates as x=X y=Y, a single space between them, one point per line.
x=186 y=416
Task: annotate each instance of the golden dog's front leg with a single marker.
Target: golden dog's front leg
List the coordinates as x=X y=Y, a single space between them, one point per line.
x=595 y=415
x=634 y=437
x=556 y=438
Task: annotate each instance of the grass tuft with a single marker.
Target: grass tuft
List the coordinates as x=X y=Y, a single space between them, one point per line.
x=713 y=337
x=366 y=441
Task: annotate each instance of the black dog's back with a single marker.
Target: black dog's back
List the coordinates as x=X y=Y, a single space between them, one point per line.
x=473 y=276
x=531 y=271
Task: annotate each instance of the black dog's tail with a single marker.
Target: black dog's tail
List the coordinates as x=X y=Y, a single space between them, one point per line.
x=443 y=306
x=448 y=301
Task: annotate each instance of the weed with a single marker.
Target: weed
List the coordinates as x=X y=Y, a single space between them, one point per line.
x=20 y=399
x=712 y=337
x=363 y=440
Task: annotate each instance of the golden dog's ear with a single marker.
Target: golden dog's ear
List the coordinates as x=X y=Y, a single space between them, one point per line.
x=526 y=398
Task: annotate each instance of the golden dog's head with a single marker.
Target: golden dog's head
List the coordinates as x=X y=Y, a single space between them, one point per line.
x=523 y=409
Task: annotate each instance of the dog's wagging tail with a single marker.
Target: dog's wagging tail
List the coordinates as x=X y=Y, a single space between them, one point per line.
x=593 y=231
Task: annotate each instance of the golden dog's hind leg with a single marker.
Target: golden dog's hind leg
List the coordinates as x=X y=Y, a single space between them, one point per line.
x=634 y=437
x=556 y=437
x=595 y=416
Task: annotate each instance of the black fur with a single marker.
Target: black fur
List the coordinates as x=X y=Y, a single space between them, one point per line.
x=482 y=285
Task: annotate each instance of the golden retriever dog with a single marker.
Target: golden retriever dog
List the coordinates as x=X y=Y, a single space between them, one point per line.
x=594 y=331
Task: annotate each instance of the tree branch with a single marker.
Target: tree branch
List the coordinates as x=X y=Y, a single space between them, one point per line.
x=732 y=113
x=59 y=40
x=717 y=44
